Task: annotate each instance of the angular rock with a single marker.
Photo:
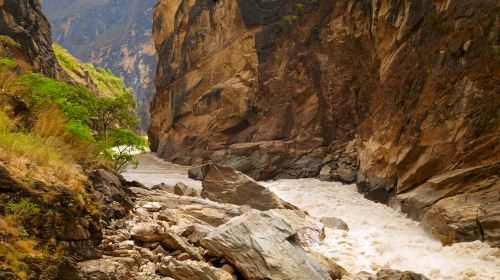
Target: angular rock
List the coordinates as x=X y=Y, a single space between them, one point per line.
x=163 y=187
x=268 y=245
x=148 y=231
x=152 y=206
x=191 y=270
x=110 y=268
x=110 y=189
x=225 y=185
x=184 y=190
x=172 y=241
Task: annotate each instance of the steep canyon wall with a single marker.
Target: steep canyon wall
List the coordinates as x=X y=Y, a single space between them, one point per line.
x=400 y=96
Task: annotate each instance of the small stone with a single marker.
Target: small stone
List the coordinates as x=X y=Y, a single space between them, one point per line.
x=182 y=257
x=175 y=253
x=126 y=245
x=160 y=251
x=152 y=206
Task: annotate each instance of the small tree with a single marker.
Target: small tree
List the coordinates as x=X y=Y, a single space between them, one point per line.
x=111 y=112
x=118 y=146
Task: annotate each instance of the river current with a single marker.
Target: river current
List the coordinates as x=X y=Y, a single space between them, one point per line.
x=378 y=237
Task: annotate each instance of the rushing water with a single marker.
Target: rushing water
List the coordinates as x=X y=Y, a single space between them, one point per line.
x=379 y=236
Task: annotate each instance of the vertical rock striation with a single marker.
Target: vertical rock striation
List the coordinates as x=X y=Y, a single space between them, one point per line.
x=401 y=96
x=24 y=22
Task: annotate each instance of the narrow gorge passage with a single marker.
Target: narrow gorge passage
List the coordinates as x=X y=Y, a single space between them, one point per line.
x=378 y=237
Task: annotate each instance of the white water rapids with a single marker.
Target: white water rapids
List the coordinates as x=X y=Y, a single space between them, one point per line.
x=379 y=236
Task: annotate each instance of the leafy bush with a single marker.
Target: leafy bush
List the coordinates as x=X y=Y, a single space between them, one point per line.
x=23 y=208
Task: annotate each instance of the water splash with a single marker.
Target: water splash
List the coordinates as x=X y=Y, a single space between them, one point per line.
x=381 y=237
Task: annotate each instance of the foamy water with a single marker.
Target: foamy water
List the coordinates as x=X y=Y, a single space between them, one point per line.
x=381 y=237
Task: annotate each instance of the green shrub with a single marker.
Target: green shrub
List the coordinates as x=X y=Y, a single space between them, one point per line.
x=118 y=146
x=23 y=208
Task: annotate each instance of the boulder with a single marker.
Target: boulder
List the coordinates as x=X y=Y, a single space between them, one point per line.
x=270 y=245
x=111 y=191
x=226 y=185
x=172 y=241
x=163 y=187
x=148 y=231
x=110 y=268
x=195 y=173
x=191 y=270
x=184 y=190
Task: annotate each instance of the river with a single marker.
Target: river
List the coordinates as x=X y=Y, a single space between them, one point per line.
x=378 y=237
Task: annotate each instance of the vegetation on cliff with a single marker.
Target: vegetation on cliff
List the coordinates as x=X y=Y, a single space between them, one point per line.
x=100 y=80
x=49 y=131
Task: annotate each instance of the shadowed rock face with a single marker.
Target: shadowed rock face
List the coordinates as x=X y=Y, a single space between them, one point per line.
x=113 y=34
x=23 y=21
x=401 y=96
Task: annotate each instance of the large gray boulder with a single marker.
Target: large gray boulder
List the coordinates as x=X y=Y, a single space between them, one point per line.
x=226 y=185
x=270 y=245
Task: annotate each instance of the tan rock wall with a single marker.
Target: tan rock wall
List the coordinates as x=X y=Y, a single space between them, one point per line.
x=405 y=93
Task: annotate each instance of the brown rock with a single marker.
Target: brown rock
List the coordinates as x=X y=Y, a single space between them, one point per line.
x=411 y=90
x=191 y=270
x=182 y=257
x=225 y=185
x=148 y=231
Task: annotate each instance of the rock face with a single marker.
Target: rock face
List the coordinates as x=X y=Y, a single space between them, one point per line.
x=226 y=185
x=112 y=34
x=399 y=96
x=274 y=251
x=23 y=21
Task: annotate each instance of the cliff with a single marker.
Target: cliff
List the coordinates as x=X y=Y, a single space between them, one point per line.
x=114 y=35
x=24 y=22
x=399 y=96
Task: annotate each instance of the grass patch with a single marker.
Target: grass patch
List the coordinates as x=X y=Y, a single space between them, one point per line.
x=16 y=249
x=7 y=62
x=34 y=157
x=9 y=41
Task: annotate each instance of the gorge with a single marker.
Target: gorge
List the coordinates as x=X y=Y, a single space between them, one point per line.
x=290 y=140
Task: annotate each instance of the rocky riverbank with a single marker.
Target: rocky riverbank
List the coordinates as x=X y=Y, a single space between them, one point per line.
x=187 y=237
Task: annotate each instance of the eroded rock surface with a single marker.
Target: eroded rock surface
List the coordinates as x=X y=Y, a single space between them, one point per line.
x=268 y=245
x=226 y=185
x=23 y=21
x=399 y=96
